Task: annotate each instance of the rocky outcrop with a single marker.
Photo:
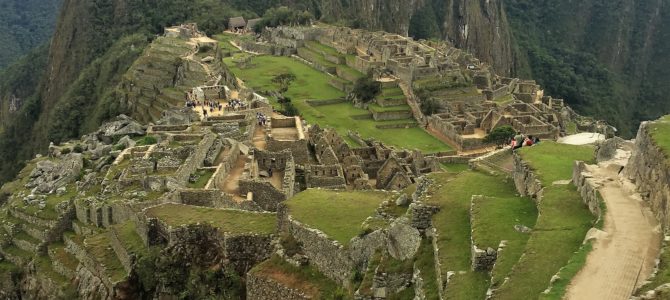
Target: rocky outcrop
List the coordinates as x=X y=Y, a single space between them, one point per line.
x=525 y=180
x=264 y=287
x=649 y=169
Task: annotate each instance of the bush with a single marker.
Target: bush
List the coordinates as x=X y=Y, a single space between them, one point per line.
x=65 y=151
x=500 y=135
x=147 y=140
x=78 y=148
x=366 y=89
x=274 y=17
x=429 y=106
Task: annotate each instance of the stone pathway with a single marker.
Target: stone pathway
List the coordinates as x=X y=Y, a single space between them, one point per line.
x=624 y=255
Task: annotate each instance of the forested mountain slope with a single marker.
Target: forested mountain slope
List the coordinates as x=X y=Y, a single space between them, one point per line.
x=24 y=24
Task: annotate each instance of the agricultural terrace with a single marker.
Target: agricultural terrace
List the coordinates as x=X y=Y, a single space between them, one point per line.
x=339 y=214
x=493 y=220
x=230 y=221
x=561 y=225
x=311 y=84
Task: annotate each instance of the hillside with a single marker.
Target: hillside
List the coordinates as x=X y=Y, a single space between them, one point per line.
x=24 y=25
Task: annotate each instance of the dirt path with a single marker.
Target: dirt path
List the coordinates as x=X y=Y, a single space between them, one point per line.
x=624 y=255
x=259 y=138
x=232 y=183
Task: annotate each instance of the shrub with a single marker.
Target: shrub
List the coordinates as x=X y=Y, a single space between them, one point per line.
x=500 y=135
x=366 y=89
x=147 y=140
x=78 y=148
x=65 y=151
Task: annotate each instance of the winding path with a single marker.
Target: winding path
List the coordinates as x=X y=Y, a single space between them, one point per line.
x=623 y=256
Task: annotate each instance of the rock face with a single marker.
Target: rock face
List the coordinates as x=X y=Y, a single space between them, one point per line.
x=403 y=241
x=649 y=169
x=48 y=176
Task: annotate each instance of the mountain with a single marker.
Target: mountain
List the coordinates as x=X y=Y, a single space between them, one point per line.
x=24 y=25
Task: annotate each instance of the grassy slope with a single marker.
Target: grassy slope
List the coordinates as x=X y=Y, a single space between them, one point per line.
x=311 y=84
x=494 y=220
x=561 y=226
x=231 y=221
x=660 y=133
x=453 y=193
x=339 y=214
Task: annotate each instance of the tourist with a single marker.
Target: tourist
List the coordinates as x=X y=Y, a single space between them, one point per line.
x=518 y=141
x=269 y=172
x=536 y=140
x=528 y=141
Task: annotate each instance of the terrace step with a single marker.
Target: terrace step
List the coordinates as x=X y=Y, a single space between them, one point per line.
x=26 y=242
x=99 y=248
x=16 y=255
x=19 y=214
x=83 y=229
x=45 y=267
x=36 y=231
x=63 y=262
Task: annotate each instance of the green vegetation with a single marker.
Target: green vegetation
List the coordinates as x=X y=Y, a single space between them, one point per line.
x=279 y=16
x=559 y=287
x=339 y=214
x=425 y=261
x=130 y=239
x=663 y=275
x=203 y=177
x=454 y=192
x=561 y=226
x=99 y=246
x=307 y=279
x=311 y=84
x=455 y=168
x=49 y=211
x=500 y=135
x=230 y=221
x=493 y=220
x=660 y=133
x=146 y=140
x=25 y=25
x=366 y=89
x=376 y=108
x=552 y=161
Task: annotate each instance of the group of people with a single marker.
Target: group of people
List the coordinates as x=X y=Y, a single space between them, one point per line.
x=262 y=119
x=236 y=104
x=520 y=140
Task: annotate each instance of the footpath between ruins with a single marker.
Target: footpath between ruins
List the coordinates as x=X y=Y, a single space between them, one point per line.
x=624 y=252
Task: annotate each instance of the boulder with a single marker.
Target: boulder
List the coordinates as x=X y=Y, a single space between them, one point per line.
x=403 y=241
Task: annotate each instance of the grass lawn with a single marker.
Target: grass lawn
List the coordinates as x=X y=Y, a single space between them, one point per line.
x=311 y=84
x=231 y=221
x=339 y=214
x=306 y=279
x=203 y=178
x=660 y=133
x=131 y=241
x=493 y=221
x=561 y=226
x=455 y=168
x=99 y=246
x=338 y=116
x=323 y=48
x=376 y=108
x=552 y=161
x=454 y=192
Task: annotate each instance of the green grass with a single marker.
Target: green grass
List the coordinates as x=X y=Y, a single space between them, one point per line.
x=99 y=246
x=504 y=100
x=203 y=178
x=660 y=133
x=306 y=279
x=561 y=225
x=552 y=161
x=130 y=239
x=323 y=48
x=376 y=108
x=455 y=168
x=311 y=84
x=224 y=42
x=663 y=275
x=494 y=220
x=49 y=211
x=44 y=267
x=453 y=192
x=425 y=261
x=64 y=257
x=230 y=221
x=338 y=116
x=559 y=287
x=339 y=214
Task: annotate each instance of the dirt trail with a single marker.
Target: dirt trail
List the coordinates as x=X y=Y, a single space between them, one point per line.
x=624 y=255
x=232 y=183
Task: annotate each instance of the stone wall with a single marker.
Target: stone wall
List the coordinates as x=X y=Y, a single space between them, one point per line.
x=265 y=195
x=392 y=115
x=195 y=160
x=263 y=287
x=649 y=168
x=588 y=188
x=527 y=184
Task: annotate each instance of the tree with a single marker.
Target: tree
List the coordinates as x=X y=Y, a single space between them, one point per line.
x=284 y=80
x=366 y=89
x=500 y=135
x=429 y=106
